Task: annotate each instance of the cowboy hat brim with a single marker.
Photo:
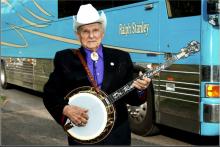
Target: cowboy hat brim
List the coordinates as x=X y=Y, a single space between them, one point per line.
x=102 y=19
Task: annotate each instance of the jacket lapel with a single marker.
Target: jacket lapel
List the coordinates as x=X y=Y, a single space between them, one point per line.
x=108 y=69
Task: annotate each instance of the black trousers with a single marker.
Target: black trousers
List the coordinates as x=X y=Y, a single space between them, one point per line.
x=118 y=136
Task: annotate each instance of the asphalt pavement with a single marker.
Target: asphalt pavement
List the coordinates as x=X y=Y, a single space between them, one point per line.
x=25 y=121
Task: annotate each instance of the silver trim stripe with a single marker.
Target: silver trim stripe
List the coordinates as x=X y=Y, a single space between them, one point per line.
x=182 y=72
x=180 y=88
x=177 y=99
x=177 y=82
x=178 y=93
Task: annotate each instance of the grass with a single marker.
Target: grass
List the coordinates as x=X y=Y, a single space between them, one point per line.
x=2 y=99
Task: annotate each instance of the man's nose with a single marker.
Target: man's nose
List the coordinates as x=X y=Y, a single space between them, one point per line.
x=91 y=34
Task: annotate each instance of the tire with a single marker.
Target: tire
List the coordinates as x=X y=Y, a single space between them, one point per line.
x=3 y=77
x=142 y=118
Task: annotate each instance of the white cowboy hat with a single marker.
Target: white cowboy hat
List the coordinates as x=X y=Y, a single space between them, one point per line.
x=87 y=14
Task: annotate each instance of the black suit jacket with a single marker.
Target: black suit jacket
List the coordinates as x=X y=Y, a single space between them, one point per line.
x=69 y=74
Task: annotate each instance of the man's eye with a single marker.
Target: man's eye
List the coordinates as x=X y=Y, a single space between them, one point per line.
x=86 y=32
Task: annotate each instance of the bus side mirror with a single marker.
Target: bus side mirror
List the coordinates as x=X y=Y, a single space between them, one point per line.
x=213 y=11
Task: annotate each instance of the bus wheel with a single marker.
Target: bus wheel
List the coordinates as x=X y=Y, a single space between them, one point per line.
x=3 y=79
x=142 y=118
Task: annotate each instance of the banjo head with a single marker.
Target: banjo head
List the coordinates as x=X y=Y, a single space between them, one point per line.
x=98 y=113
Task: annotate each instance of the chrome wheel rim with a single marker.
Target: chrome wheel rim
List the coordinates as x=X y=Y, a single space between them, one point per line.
x=2 y=77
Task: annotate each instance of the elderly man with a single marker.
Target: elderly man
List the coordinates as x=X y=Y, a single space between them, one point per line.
x=111 y=69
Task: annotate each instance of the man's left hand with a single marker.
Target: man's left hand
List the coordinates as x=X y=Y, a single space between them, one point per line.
x=141 y=84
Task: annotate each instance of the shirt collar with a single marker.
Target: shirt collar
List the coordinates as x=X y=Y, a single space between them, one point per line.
x=99 y=51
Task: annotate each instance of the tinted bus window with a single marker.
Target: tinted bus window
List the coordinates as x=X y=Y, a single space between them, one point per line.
x=183 y=8
x=70 y=7
x=213 y=7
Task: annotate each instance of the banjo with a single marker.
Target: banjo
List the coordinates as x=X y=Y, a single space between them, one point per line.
x=100 y=105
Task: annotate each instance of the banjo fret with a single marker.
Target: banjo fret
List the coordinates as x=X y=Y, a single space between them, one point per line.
x=120 y=92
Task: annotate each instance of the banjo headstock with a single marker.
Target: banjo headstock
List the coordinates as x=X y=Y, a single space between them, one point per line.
x=192 y=48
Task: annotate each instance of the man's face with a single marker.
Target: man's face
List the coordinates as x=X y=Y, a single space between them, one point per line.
x=91 y=35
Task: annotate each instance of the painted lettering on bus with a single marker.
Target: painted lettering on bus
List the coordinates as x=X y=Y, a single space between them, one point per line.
x=134 y=28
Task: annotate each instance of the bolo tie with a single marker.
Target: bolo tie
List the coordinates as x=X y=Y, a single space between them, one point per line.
x=94 y=57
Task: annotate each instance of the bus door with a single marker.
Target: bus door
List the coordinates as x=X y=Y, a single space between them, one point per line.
x=179 y=87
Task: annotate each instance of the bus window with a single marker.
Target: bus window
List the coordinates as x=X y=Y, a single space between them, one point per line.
x=213 y=7
x=180 y=8
x=70 y=7
x=213 y=11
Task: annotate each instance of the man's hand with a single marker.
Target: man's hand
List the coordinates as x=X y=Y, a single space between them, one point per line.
x=141 y=84
x=77 y=115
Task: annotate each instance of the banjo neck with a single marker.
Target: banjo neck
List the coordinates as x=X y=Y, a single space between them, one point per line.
x=118 y=94
x=192 y=48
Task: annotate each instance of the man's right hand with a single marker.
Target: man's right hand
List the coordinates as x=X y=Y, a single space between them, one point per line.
x=77 y=115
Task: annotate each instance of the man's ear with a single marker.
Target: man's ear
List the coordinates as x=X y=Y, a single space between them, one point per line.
x=103 y=34
x=77 y=35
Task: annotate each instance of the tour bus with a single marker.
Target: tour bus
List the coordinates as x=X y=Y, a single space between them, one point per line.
x=183 y=96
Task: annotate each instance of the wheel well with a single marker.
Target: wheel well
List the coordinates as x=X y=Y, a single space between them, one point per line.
x=3 y=82
x=2 y=62
x=138 y=68
x=152 y=129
